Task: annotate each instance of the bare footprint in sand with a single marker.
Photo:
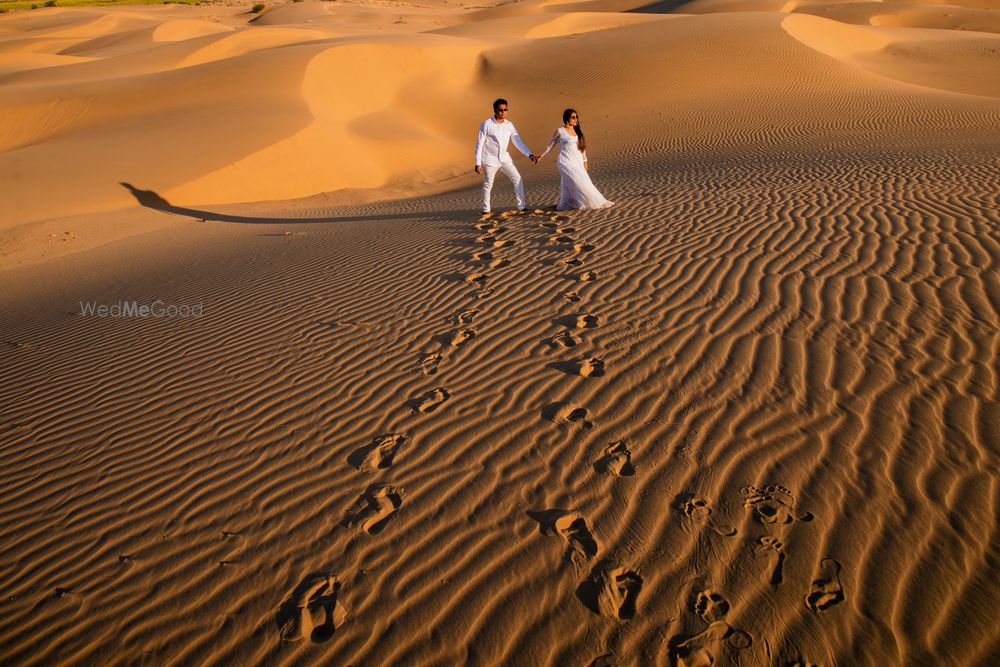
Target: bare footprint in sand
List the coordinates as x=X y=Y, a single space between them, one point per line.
x=567 y=413
x=429 y=401
x=617 y=460
x=572 y=261
x=466 y=316
x=611 y=591
x=826 y=590
x=582 y=247
x=564 y=339
x=774 y=504
x=458 y=337
x=770 y=545
x=584 y=367
x=550 y=225
x=486 y=239
x=429 y=364
x=572 y=528
x=378 y=454
x=588 y=276
x=571 y=297
x=482 y=255
x=483 y=293
x=699 y=511
x=710 y=606
x=477 y=279
x=506 y=243
x=376 y=507
x=497 y=263
x=581 y=321
x=704 y=648
x=312 y=611
x=561 y=239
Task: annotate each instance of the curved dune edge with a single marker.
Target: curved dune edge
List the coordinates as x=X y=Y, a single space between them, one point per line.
x=363 y=133
x=943 y=60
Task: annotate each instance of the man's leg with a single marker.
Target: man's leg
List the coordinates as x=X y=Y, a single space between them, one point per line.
x=515 y=178
x=489 y=173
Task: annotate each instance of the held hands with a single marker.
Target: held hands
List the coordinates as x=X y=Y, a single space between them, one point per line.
x=534 y=158
x=479 y=169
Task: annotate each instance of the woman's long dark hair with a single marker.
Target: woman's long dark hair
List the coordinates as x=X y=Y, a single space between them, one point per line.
x=582 y=144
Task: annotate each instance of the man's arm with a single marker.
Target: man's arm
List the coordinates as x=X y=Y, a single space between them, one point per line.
x=516 y=138
x=480 y=141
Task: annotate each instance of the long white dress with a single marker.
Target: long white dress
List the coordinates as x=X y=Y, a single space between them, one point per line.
x=576 y=190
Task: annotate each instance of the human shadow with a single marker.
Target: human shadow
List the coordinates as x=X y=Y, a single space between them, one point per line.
x=153 y=200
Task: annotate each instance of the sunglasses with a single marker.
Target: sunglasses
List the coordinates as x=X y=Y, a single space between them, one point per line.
x=502 y=110
x=572 y=117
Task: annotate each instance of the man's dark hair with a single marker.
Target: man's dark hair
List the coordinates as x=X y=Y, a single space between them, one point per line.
x=497 y=102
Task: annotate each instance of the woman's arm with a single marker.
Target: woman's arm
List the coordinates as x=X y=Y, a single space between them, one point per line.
x=552 y=142
x=585 y=160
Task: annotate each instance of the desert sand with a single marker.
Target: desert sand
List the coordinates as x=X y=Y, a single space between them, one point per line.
x=749 y=415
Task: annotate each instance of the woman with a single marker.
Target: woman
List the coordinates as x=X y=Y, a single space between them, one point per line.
x=576 y=189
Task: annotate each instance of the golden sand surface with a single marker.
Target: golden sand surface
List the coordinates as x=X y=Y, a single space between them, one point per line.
x=747 y=416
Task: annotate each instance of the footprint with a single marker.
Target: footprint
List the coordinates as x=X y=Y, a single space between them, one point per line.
x=483 y=293
x=694 y=508
x=312 y=611
x=476 y=278
x=585 y=366
x=590 y=367
x=582 y=247
x=588 y=276
x=704 y=648
x=612 y=591
x=566 y=230
x=572 y=528
x=617 y=460
x=376 y=507
x=699 y=510
x=466 y=316
x=482 y=255
x=773 y=504
x=565 y=413
x=486 y=216
x=561 y=238
x=429 y=401
x=550 y=225
x=378 y=454
x=769 y=544
x=572 y=261
x=710 y=606
x=506 y=243
x=429 y=364
x=490 y=228
x=571 y=297
x=486 y=239
x=564 y=339
x=458 y=337
x=497 y=263
x=581 y=321
x=826 y=591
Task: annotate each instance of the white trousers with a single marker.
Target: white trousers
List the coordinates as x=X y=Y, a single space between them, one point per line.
x=490 y=172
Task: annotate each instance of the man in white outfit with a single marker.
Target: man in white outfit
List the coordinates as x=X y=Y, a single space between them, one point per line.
x=495 y=135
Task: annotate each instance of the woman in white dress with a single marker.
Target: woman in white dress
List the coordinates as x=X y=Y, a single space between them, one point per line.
x=576 y=189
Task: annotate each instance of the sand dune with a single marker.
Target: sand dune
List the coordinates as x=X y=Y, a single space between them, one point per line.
x=749 y=415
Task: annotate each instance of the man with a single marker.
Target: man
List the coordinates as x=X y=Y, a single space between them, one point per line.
x=495 y=135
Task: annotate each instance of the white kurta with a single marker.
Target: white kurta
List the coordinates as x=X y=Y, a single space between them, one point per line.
x=576 y=190
x=493 y=140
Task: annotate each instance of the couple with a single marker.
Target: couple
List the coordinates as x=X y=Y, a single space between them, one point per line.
x=576 y=190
